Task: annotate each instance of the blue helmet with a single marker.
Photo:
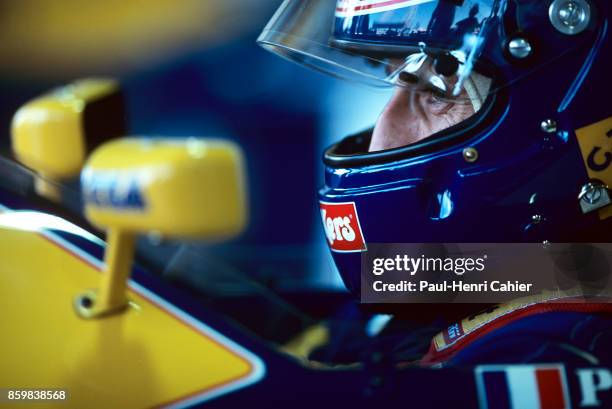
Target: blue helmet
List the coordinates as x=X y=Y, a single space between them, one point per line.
x=532 y=161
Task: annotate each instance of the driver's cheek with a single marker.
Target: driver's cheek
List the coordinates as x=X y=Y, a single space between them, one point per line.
x=406 y=119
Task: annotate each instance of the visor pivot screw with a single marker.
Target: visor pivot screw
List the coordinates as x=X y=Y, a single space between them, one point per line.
x=520 y=48
x=570 y=17
x=593 y=196
x=470 y=155
x=549 y=126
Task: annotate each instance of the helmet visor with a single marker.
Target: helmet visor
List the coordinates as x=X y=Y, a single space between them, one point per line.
x=434 y=45
x=422 y=44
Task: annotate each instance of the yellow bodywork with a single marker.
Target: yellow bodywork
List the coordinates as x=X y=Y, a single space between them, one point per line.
x=150 y=355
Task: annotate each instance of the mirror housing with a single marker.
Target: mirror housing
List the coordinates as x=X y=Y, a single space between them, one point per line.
x=178 y=188
x=191 y=188
x=54 y=133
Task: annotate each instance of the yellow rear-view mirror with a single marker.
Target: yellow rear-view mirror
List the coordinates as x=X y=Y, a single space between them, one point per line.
x=179 y=188
x=53 y=134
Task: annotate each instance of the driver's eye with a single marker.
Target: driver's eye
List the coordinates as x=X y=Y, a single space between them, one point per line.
x=408 y=78
x=439 y=95
x=438 y=102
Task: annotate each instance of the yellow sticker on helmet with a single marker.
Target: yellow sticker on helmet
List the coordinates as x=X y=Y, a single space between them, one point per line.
x=596 y=146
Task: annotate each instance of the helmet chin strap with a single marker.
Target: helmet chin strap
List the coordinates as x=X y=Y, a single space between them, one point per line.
x=477 y=87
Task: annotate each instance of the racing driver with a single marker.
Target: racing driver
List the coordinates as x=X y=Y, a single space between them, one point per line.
x=499 y=130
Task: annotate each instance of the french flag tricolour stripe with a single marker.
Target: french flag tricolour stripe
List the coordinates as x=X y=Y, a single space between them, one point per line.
x=522 y=386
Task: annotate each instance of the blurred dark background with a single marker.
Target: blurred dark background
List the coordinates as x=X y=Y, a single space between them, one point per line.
x=192 y=68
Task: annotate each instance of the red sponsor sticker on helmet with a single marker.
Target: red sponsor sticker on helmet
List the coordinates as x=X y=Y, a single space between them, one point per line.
x=342 y=227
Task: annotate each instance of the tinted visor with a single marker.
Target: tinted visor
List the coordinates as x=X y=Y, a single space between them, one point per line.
x=434 y=43
x=397 y=25
x=424 y=44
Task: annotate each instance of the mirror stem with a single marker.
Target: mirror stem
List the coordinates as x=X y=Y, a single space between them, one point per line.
x=112 y=295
